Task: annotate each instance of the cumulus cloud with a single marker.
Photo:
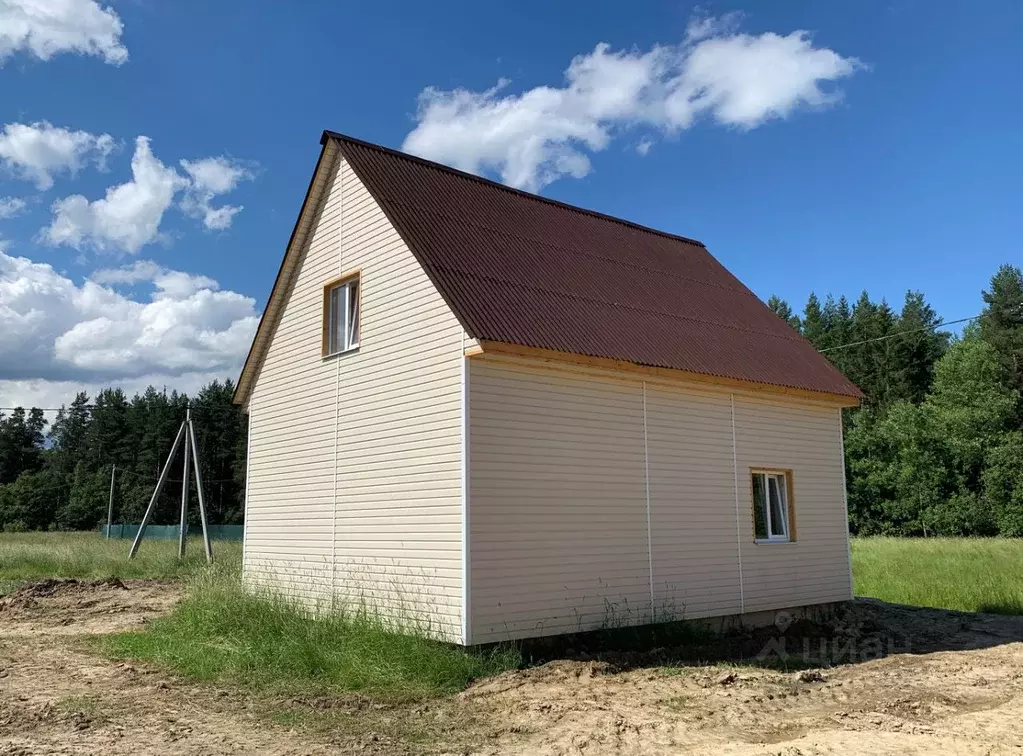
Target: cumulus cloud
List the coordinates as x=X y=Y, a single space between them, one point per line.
x=716 y=73
x=11 y=206
x=129 y=216
x=211 y=177
x=46 y=28
x=53 y=329
x=37 y=152
x=174 y=284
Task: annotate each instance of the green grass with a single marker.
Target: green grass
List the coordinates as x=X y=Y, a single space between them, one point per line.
x=220 y=632
x=35 y=556
x=967 y=574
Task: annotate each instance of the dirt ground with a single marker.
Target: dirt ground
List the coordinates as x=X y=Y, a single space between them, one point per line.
x=951 y=683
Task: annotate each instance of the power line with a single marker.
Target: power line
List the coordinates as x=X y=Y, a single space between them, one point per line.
x=90 y=407
x=900 y=333
x=1013 y=310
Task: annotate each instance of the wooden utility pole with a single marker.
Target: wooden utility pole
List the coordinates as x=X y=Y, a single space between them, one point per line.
x=186 y=433
x=183 y=526
x=110 y=504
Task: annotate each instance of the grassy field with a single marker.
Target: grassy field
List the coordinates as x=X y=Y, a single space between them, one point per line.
x=33 y=556
x=969 y=574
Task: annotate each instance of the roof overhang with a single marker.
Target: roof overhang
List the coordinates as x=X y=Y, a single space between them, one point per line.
x=621 y=368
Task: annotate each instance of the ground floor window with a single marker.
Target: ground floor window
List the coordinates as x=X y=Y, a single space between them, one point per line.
x=772 y=505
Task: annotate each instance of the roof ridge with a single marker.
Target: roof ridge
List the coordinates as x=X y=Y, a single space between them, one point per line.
x=328 y=134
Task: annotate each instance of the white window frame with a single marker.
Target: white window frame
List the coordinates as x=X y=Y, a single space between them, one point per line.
x=783 y=480
x=342 y=316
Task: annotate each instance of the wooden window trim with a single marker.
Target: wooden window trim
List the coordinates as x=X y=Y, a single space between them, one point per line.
x=325 y=314
x=790 y=502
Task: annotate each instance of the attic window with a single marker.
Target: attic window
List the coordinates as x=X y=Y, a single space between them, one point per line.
x=772 y=506
x=341 y=316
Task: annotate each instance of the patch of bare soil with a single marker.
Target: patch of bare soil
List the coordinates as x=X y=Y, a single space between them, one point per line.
x=888 y=679
x=913 y=681
x=58 y=696
x=65 y=606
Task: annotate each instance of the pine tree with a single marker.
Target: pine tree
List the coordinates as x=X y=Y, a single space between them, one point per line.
x=813 y=325
x=108 y=440
x=219 y=427
x=21 y=443
x=916 y=352
x=68 y=434
x=782 y=309
x=868 y=358
x=1001 y=324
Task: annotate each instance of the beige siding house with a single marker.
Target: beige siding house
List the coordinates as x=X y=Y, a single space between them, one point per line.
x=494 y=416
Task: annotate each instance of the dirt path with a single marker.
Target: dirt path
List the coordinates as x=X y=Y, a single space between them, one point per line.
x=960 y=693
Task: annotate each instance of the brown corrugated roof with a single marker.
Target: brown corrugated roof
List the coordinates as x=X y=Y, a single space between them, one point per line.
x=525 y=270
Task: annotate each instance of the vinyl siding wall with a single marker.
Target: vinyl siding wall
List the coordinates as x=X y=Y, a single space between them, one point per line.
x=355 y=460
x=562 y=537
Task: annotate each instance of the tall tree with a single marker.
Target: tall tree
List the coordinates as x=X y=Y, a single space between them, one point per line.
x=813 y=324
x=782 y=309
x=68 y=433
x=916 y=350
x=220 y=426
x=1001 y=324
x=21 y=443
x=108 y=440
x=868 y=356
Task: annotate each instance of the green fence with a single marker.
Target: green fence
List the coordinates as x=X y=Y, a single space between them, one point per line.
x=170 y=532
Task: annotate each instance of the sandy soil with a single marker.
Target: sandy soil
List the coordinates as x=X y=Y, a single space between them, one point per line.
x=951 y=684
x=59 y=696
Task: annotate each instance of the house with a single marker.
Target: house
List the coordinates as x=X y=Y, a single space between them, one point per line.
x=503 y=416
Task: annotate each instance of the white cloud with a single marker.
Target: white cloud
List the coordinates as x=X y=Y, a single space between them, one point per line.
x=174 y=284
x=644 y=145
x=535 y=137
x=45 y=28
x=39 y=151
x=52 y=329
x=128 y=217
x=211 y=177
x=11 y=206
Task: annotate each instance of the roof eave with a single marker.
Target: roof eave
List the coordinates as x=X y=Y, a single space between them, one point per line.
x=557 y=358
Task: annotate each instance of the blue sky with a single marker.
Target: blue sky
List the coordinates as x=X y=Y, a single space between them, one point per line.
x=887 y=159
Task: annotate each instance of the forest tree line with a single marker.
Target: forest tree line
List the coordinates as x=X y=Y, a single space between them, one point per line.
x=935 y=449
x=937 y=446
x=56 y=475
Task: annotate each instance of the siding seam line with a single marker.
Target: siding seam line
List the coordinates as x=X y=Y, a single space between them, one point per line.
x=738 y=526
x=845 y=501
x=646 y=475
x=337 y=388
x=248 y=479
x=466 y=600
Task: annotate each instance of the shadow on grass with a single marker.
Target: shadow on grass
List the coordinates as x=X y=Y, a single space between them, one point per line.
x=853 y=632
x=1001 y=608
